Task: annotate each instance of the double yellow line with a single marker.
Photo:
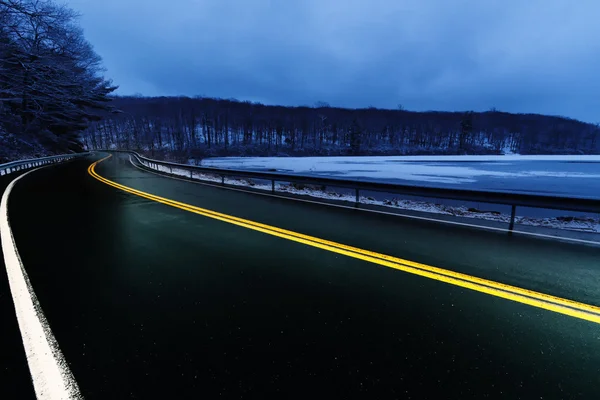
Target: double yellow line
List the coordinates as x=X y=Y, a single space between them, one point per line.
x=529 y=297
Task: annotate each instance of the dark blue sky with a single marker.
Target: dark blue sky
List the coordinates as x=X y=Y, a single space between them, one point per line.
x=538 y=56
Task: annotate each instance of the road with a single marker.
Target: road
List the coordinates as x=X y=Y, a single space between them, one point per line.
x=148 y=300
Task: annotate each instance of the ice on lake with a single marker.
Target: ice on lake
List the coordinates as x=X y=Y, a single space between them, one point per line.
x=577 y=176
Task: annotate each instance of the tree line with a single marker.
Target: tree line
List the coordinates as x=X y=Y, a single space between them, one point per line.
x=199 y=127
x=51 y=83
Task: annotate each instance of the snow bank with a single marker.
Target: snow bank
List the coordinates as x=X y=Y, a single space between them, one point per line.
x=569 y=223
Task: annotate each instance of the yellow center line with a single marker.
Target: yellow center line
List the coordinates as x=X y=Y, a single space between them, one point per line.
x=514 y=293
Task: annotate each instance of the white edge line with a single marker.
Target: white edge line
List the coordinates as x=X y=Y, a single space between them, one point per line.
x=491 y=228
x=50 y=373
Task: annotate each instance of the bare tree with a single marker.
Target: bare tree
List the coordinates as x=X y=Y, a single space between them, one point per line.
x=269 y=130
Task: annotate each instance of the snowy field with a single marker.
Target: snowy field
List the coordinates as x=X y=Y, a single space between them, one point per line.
x=582 y=224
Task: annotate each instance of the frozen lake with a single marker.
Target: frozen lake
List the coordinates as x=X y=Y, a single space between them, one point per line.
x=577 y=176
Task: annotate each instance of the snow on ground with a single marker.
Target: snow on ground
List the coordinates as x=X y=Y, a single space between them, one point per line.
x=568 y=223
x=186 y=173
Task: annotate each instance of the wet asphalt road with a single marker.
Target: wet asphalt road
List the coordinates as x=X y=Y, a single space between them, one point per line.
x=150 y=301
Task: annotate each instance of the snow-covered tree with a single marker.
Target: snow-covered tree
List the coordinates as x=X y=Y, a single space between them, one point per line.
x=51 y=82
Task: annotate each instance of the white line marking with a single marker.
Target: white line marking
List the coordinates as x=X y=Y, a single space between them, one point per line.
x=49 y=370
x=491 y=228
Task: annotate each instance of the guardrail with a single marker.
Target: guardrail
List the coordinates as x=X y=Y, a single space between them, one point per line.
x=21 y=165
x=513 y=200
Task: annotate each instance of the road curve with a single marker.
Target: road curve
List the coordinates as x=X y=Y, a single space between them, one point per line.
x=147 y=300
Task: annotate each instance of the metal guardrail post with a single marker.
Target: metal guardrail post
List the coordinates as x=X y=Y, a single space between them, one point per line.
x=513 y=213
x=223 y=180
x=272 y=185
x=357 y=196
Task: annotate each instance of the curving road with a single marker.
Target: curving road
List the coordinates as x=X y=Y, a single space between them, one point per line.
x=161 y=288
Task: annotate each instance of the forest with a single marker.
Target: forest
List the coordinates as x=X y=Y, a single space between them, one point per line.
x=55 y=99
x=184 y=128
x=51 y=83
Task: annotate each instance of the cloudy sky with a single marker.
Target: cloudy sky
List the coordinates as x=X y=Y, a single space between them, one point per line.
x=538 y=56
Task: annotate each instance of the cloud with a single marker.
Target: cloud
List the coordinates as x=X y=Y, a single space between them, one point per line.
x=520 y=56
